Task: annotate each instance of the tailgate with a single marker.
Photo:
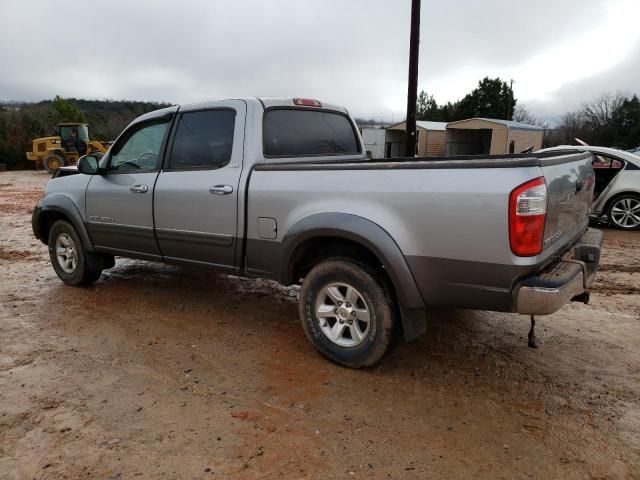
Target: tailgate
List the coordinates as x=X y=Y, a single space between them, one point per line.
x=570 y=183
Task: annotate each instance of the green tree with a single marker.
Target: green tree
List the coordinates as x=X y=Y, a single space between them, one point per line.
x=626 y=123
x=427 y=108
x=65 y=110
x=493 y=98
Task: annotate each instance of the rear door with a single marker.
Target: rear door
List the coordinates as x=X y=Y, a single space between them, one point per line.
x=196 y=195
x=119 y=202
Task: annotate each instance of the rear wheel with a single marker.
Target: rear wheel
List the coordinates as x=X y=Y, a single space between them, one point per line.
x=68 y=257
x=347 y=312
x=53 y=162
x=624 y=212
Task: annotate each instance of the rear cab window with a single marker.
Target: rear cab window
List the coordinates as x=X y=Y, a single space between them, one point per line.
x=295 y=132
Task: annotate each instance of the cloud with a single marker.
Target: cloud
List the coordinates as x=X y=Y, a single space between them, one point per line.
x=349 y=52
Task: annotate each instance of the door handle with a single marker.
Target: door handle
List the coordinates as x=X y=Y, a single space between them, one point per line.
x=221 y=189
x=139 y=189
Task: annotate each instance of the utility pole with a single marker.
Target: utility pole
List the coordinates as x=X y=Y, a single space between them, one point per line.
x=412 y=93
x=510 y=100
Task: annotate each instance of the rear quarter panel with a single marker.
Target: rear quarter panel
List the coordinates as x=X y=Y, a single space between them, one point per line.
x=451 y=225
x=458 y=214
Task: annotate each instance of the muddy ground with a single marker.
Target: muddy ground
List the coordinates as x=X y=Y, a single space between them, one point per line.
x=161 y=372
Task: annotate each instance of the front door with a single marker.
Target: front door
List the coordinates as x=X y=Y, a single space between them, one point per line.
x=196 y=195
x=120 y=201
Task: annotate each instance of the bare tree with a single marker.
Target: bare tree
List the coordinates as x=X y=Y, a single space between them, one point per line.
x=521 y=114
x=598 y=113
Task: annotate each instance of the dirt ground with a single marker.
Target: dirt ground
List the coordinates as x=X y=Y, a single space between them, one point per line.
x=161 y=372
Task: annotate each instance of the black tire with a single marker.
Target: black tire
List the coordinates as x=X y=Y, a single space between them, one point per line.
x=615 y=220
x=378 y=302
x=78 y=274
x=52 y=162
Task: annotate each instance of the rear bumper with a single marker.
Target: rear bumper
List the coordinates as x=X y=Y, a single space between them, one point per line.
x=547 y=291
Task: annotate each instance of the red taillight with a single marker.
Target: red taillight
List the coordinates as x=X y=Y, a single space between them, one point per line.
x=306 y=102
x=527 y=216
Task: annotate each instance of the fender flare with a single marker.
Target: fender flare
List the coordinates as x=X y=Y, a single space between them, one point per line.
x=65 y=206
x=413 y=310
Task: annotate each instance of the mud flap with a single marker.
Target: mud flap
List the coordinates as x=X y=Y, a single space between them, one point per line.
x=414 y=323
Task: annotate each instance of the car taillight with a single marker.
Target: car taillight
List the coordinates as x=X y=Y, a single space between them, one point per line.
x=527 y=216
x=306 y=102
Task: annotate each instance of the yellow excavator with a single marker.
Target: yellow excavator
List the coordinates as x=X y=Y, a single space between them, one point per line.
x=64 y=149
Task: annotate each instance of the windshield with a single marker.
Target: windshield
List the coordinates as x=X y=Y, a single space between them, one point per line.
x=83 y=133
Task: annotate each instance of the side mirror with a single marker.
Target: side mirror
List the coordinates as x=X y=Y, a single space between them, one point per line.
x=88 y=164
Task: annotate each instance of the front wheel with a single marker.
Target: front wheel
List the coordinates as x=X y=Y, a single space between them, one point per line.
x=53 y=162
x=624 y=212
x=68 y=257
x=347 y=312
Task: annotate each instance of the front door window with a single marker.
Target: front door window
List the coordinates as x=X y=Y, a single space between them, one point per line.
x=140 y=150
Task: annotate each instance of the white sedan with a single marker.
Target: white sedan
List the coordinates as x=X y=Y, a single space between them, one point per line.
x=617 y=189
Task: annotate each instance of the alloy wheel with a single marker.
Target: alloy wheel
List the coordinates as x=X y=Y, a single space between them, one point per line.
x=343 y=314
x=625 y=213
x=66 y=253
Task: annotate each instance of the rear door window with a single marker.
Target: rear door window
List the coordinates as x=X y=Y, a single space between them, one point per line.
x=297 y=132
x=203 y=140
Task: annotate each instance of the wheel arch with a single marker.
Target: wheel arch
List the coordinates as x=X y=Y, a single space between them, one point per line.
x=366 y=241
x=58 y=207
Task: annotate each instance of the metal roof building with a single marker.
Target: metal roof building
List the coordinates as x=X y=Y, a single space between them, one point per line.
x=430 y=138
x=489 y=136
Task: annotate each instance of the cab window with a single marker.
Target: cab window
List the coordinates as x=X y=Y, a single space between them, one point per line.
x=83 y=133
x=292 y=132
x=203 y=140
x=140 y=150
x=65 y=132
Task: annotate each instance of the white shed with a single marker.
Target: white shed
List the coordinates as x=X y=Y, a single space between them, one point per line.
x=374 y=139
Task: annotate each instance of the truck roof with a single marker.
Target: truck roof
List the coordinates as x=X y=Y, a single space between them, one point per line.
x=266 y=102
x=269 y=102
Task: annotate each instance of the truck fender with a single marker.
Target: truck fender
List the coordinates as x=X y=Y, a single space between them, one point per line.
x=62 y=205
x=413 y=310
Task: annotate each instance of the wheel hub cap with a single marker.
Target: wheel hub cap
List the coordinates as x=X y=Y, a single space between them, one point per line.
x=66 y=253
x=343 y=315
x=626 y=213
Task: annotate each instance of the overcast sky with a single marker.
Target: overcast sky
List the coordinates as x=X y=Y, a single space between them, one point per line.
x=351 y=52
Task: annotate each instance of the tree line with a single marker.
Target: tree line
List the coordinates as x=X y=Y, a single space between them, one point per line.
x=611 y=119
x=608 y=120
x=492 y=98
x=20 y=123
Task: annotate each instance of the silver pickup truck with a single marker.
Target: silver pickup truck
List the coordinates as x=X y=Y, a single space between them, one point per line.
x=282 y=189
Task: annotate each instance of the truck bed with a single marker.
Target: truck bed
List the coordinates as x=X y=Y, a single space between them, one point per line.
x=450 y=222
